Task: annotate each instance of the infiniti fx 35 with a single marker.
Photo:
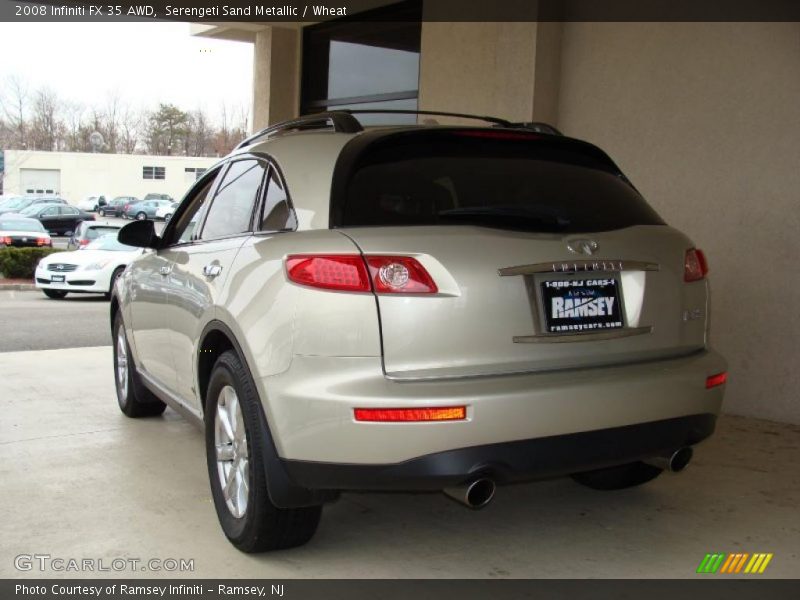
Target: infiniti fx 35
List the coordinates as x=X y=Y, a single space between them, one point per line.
x=415 y=308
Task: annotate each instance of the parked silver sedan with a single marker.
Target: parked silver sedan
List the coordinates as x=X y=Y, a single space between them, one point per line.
x=415 y=308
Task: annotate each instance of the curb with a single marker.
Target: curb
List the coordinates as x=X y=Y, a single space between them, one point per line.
x=20 y=287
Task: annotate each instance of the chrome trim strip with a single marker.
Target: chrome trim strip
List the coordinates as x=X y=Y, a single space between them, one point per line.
x=170 y=399
x=579 y=266
x=559 y=338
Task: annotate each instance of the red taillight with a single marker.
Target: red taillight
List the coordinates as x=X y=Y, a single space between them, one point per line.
x=6 y=241
x=344 y=272
x=83 y=242
x=695 y=266
x=43 y=242
x=399 y=275
x=715 y=380
x=348 y=273
x=449 y=413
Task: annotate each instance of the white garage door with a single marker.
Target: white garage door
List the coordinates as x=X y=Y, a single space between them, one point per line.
x=40 y=181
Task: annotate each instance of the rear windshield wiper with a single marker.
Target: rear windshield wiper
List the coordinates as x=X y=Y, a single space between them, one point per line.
x=506 y=215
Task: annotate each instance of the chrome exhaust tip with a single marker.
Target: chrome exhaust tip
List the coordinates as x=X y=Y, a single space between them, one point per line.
x=475 y=494
x=675 y=462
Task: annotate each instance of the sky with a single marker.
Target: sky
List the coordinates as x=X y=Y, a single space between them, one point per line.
x=145 y=63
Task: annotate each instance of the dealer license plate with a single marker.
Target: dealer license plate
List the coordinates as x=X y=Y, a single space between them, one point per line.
x=581 y=305
x=57 y=278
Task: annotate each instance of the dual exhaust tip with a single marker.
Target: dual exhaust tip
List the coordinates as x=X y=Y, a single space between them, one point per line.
x=478 y=493
x=475 y=494
x=674 y=463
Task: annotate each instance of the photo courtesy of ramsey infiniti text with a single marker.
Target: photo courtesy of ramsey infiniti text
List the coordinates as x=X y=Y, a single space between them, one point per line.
x=415 y=308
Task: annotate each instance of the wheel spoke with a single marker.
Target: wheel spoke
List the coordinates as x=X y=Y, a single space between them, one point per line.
x=241 y=488
x=222 y=416
x=225 y=452
x=230 y=483
x=232 y=403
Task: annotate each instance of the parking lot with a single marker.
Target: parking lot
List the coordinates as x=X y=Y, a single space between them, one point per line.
x=83 y=481
x=60 y=241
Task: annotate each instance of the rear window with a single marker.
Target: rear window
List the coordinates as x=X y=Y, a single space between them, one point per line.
x=18 y=225
x=482 y=177
x=93 y=233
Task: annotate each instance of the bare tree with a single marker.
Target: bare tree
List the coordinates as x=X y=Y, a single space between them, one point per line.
x=130 y=125
x=111 y=120
x=74 y=113
x=46 y=126
x=14 y=105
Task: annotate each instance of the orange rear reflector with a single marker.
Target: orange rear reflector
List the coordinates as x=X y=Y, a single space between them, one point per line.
x=449 y=413
x=715 y=380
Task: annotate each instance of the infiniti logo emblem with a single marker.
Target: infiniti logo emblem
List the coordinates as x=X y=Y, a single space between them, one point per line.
x=582 y=246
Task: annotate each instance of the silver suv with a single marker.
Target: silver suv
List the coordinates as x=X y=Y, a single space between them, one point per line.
x=415 y=308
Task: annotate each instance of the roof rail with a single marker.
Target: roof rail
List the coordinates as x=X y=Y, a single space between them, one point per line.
x=494 y=120
x=340 y=121
x=343 y=121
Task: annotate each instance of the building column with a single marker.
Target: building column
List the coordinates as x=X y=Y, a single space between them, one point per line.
x=509 y=70
x=276 y=76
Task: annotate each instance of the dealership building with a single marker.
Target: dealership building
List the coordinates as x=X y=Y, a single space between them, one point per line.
x=76 y=175
x=701 y=116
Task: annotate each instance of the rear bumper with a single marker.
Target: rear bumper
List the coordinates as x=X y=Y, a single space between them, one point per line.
x=510 y=462
x=309 y=407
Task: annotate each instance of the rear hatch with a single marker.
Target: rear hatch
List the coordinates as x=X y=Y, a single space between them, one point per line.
x=543 y=255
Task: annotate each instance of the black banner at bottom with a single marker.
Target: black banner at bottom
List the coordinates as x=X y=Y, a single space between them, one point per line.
x=415 y=589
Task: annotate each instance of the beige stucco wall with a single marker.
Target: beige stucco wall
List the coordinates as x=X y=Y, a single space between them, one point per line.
x=705 y=119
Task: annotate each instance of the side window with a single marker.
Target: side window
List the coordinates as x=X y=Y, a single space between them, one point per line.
x=186 y=224
x=68 y=210
x=232 y=207
x=277 y=215
x=50 y=212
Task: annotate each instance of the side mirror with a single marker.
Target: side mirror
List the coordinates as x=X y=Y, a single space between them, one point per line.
x=139 y=234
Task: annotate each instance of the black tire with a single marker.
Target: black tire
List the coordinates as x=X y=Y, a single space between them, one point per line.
x=263 y=526
x=135 y=400
x=114 y=276
x=619 y=477
x=167 y=217
x=141 y=216
x=102 y=212
x=55 y=294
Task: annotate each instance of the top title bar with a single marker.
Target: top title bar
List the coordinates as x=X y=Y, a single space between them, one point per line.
x=210 y=11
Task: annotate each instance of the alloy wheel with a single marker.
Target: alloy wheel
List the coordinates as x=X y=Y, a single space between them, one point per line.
x=230 y=441
x=122 y=364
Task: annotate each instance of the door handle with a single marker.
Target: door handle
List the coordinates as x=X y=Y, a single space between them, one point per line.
x=212 y=270
x=165 y=270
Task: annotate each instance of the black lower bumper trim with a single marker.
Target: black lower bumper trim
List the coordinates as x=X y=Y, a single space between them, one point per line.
x=539 y=458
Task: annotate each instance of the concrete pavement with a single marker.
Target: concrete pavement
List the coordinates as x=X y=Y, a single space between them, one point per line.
x=81 y=480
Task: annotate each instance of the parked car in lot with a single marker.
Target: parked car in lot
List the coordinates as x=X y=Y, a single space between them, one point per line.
x=92 y=270
x=415 y=308
x=60 y=219
x=20 y=204
x=89 y=231
x=22 y=232
x=5 y=198
x=153 y=196
x=116 y=207
x=166 y=211
x=93 y=203
x=146 y=209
